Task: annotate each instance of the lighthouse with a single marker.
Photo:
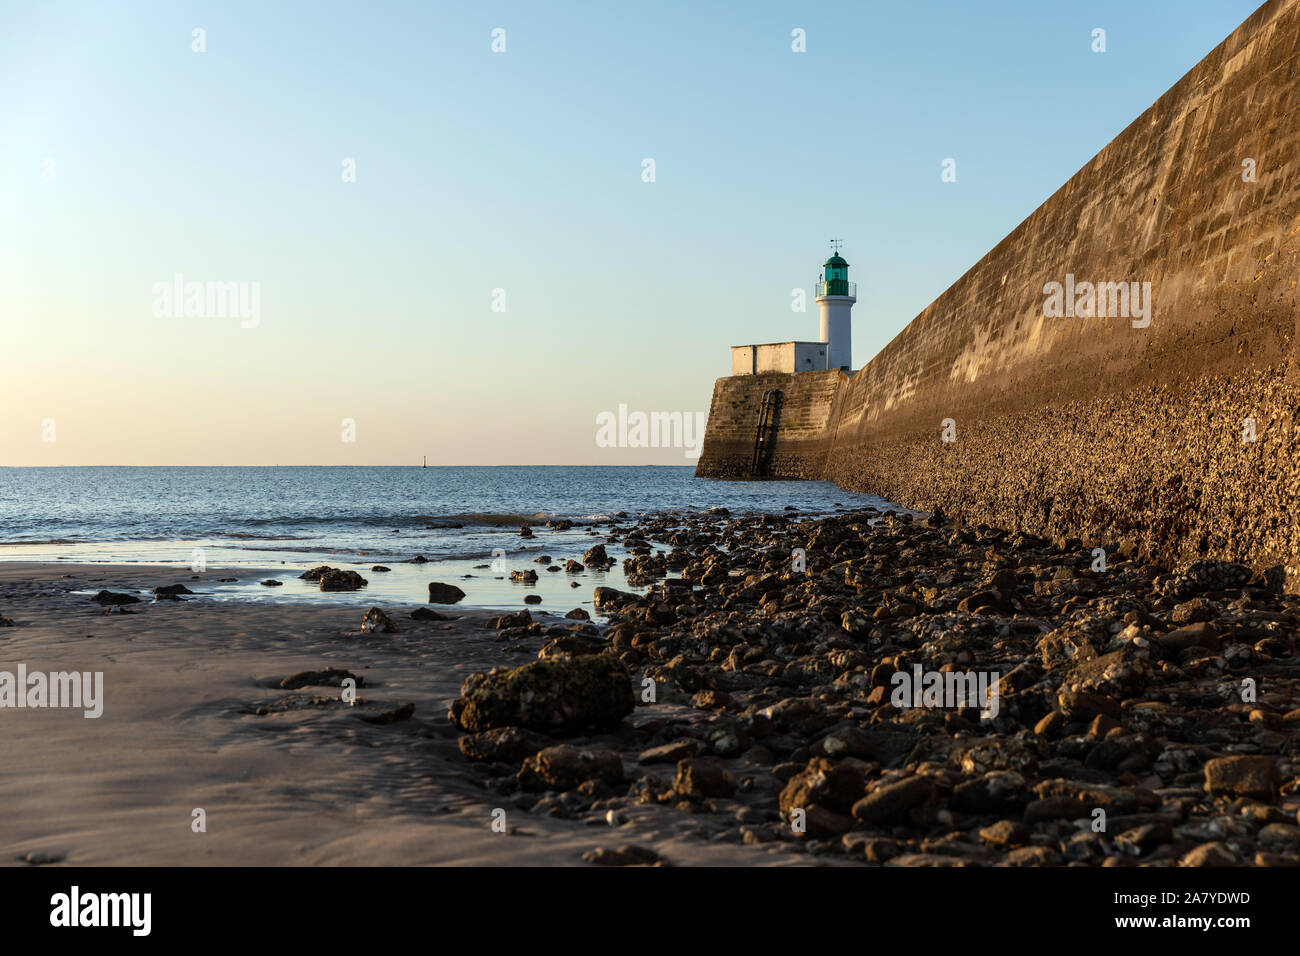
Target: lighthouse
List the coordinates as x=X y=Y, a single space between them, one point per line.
x=835 y=296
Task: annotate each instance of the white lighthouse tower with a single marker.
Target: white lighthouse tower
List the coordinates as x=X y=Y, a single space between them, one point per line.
x=835 y=296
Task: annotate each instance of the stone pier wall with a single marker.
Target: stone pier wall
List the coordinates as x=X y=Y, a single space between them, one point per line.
x=803 y=429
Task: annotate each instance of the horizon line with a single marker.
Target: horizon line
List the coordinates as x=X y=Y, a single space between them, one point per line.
x=513 y=465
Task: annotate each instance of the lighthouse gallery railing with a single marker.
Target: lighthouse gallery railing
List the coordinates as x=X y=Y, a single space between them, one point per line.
x=835 y=287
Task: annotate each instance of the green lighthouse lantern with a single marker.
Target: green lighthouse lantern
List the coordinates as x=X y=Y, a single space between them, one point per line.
x=835 y=277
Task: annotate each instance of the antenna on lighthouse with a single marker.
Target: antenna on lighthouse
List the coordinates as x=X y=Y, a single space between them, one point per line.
x=835 y=246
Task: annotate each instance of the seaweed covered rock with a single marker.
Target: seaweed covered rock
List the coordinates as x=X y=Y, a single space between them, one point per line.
x=336 y=580
x=546 y=695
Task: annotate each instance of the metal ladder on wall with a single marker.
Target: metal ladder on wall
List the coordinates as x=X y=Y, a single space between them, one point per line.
x=769 y=416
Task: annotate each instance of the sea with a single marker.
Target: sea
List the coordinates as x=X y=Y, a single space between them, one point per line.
x=270 y=523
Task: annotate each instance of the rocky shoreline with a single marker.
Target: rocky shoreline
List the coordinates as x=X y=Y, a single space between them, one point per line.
x=788 y=680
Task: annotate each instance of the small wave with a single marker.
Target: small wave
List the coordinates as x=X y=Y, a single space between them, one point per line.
x=489 y=518
x=493 y=519
x=310 y=549
x=242 y=535
x=28 y=541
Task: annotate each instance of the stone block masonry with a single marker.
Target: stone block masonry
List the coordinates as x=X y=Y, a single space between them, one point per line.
x=1097 y=427
x=803 y=428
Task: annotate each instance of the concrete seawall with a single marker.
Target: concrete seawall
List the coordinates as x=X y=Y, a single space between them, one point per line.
x=1090 y=426
x=804 y=427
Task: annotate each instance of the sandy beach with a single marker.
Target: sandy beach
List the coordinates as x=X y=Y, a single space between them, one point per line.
x=314 y=785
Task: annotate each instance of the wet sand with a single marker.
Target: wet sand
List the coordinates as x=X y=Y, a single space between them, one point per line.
x=316 y=785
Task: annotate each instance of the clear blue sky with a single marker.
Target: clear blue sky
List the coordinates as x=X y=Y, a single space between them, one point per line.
x=520 y=171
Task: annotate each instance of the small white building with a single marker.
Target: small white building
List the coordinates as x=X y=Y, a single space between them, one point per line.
x=835 y=296
x=778 y=357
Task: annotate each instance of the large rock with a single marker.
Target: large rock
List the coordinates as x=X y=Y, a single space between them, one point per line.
x=517 y=619
x=819 y=823
x=377 y=620
x=440 y=593
x=549 y=695
x=628 y=855
x=391 y=715
x=1005 y=834
x=890 y=802
x=699 y=778
x=564 y=766
x=113 y=598
x=1201 y=634
x=1033 y=856
x=503 y=744
x=1242 y=777
x=1210 y=854
x=341 y=581
x=836 y=786
x=613 y=597
x=596 y=557
x=1076 y=705
x=171 y=590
